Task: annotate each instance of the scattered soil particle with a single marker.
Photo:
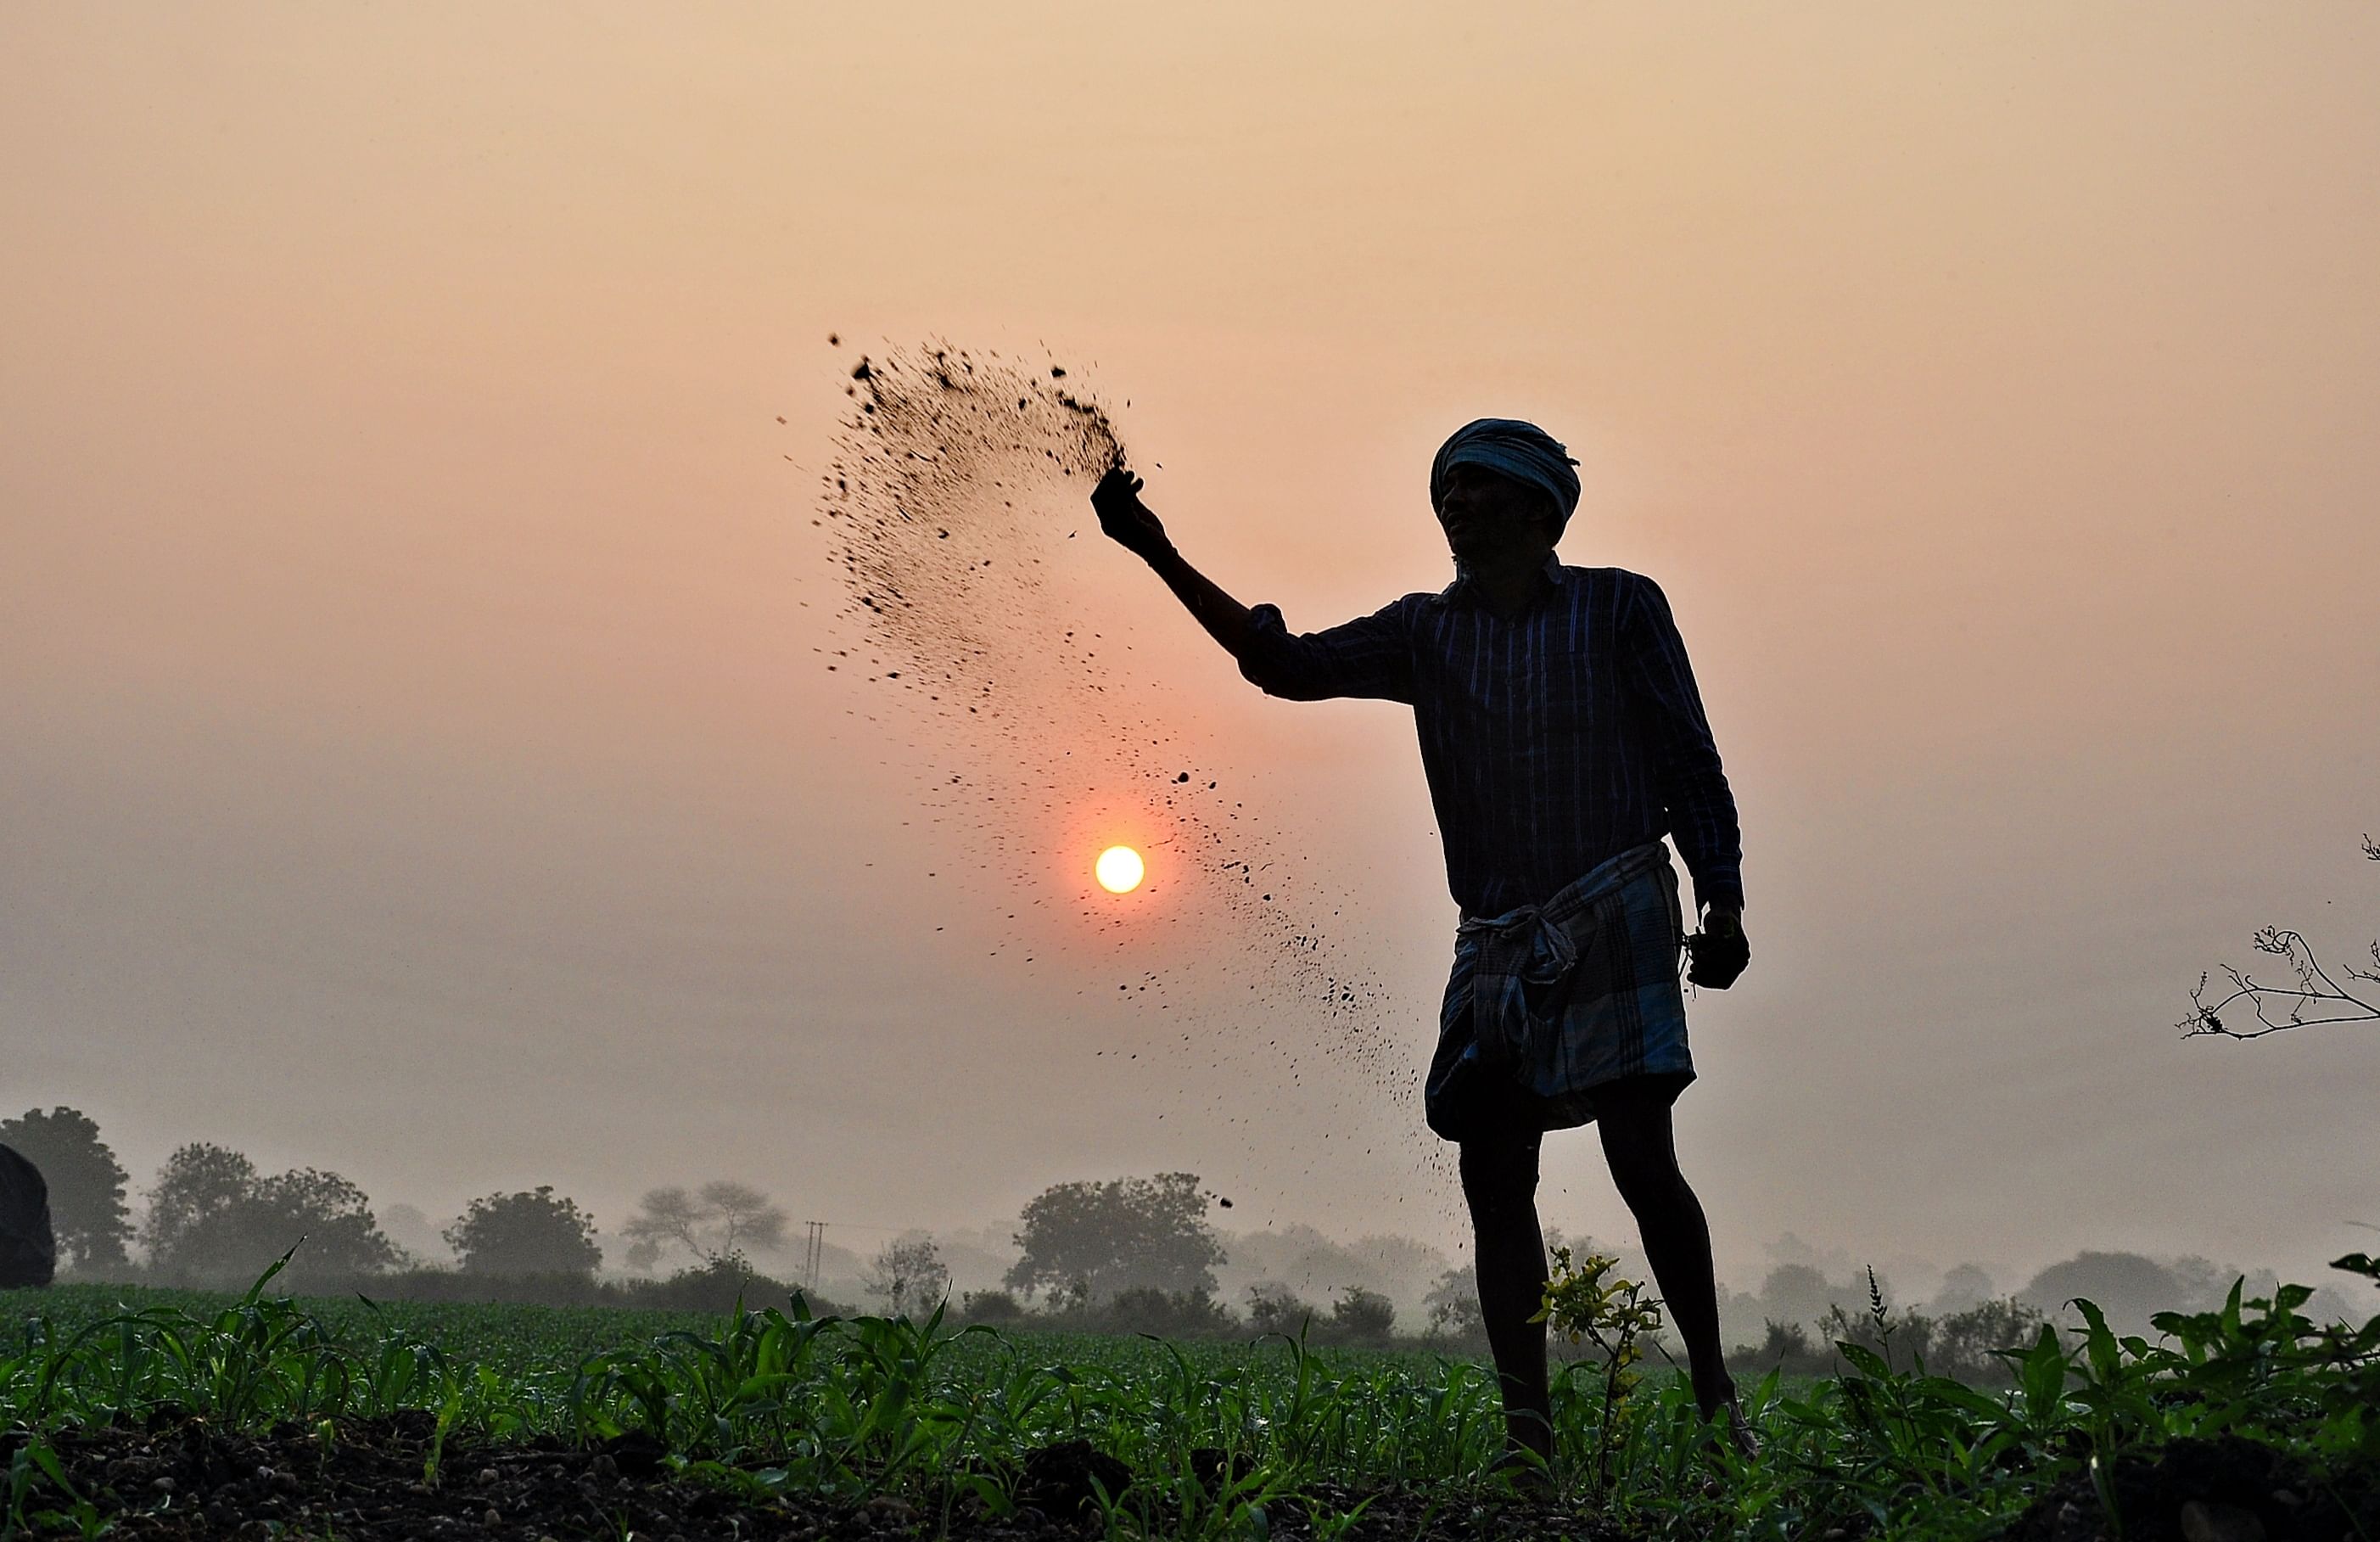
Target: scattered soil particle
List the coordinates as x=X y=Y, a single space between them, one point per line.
x=2228 y=1489
x=369 y=1483
x=942 y=511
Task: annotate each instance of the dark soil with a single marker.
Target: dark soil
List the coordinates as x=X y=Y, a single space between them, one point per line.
x=368 y=1484
x=2223 y=1490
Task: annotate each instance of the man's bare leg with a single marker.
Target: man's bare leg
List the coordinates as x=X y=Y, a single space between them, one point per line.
x=1500 y=1183
x=1634 y=1119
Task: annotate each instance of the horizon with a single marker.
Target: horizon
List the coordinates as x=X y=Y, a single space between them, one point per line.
x=1906 y=1281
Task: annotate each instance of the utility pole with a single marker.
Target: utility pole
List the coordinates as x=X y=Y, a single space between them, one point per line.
x=813 y=1251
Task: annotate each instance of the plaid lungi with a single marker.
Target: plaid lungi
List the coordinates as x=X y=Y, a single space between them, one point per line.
x=1548 y=1002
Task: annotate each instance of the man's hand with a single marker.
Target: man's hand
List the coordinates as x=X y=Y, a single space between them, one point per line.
x=1124 y=519
x=1719 y=953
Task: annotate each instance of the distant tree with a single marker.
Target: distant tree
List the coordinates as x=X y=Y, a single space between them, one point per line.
x=1168 y=1313
x=1798 y=1293
x=909 y=1276
x=1363 y=1316
x=721 y=1219
x=2317 y=996
x=87 y=1209
x=991 y=1306
x=1787 y=1346
x=1390 y=1260
x=2200 y=1285
x=1966 y=1286
x=1273 y=1307
x=213 y=1218
x=528 y=1232
x=1903 y=1339
x=2129 y=1287
x=1453 y=1303
x=200 y=1185
x=1967 y=1343
x=1110 y=1236
x=334 y=1218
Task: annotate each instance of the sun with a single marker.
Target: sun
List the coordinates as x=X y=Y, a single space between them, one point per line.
x=1119 y=869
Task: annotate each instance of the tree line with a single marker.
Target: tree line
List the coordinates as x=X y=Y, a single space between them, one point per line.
x=214 y=1218
x=1136 y=1253
x=1120 y=1254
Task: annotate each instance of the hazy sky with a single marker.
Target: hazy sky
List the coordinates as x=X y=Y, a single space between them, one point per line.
x=419 y=761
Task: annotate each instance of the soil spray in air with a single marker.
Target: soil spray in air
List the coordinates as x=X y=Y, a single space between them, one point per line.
x=957 y=511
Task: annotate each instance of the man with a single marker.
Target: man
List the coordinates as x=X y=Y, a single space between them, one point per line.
x=1562 y=736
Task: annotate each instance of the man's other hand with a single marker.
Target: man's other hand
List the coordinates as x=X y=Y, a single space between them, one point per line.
x=1125 y=519
x=1719 y=953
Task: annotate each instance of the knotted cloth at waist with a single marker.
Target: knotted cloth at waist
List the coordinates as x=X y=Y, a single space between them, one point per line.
x=1529 y=959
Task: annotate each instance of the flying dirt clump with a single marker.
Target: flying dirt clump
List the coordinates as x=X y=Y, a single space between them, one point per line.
x=941 y=447
x=954 y=507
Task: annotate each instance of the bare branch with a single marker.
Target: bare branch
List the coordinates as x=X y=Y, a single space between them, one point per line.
x=2315 y=1000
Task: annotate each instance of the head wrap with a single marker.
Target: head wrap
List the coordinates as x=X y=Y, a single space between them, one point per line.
x=1524 y=452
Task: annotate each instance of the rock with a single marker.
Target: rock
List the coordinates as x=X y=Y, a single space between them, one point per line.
x=29 y=1250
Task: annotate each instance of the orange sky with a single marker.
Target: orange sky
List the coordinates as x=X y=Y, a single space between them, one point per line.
x=418 y=763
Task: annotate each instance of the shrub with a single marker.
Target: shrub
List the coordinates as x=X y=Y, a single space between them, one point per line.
x=1168 y=1313
x=715 y=1286
x=1275 y=1308
x=1362 y=1317
x=991 y=1306
x=909 y=1277
x=1454 y=1305
x=528 y=1232
x=1964 y=1341
x=1789 y=1348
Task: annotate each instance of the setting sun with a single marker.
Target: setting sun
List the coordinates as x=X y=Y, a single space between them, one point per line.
x=1119 y=869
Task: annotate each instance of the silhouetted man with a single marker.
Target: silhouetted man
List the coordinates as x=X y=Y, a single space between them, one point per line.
x=1562 y=737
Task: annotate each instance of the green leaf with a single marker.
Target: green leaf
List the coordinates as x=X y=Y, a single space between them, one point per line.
x=2099 y=1342
x=2043 y=1375
x=1971 y=1400
x=1865 y=1361
x=2364 y=1264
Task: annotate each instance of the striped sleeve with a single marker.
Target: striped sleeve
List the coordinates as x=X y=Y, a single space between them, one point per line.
x=1369 y=657
x=1693 y=786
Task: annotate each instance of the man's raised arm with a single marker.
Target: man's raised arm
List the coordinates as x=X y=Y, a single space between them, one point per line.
x=1130 y=524
x=1367 y=656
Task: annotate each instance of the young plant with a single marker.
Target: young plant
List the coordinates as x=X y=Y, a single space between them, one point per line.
x=1589 y=1304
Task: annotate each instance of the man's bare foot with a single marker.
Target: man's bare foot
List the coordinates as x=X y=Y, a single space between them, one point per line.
x=1739 y=1433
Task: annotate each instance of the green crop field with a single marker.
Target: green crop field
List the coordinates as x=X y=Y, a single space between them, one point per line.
x=1224 y=1440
